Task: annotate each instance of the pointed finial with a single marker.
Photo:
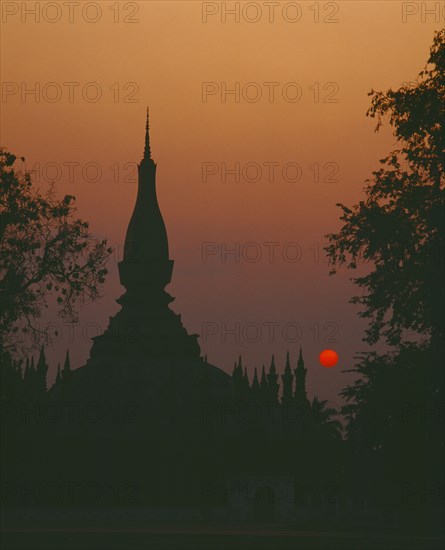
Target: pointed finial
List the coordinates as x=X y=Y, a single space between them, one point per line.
x=255 y=383
x=246 y=377
x=300 y=358
x=272 y=364
x=147 y=150
x=67 y=363
x=287 y=366
x=59 y=374
x=263 y=377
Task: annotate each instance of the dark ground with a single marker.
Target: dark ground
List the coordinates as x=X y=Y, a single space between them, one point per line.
x=114 y=535
x=213 y=540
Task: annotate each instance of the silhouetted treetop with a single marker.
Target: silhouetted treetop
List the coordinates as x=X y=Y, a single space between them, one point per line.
x=399 y=227
x=44 y=252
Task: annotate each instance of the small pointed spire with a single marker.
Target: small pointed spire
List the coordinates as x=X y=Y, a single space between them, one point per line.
x=287 y=366
x=288 y=379
x=240 y=363
x=234 y=369
x=66 y=371
x=147 y=150
x=41 y=370
x=255 y=383
x=246 y=378
x=59 y=375
x=42 y=359
x=67 y=363
x=300 y=358
x=263 y=377
x=300 y=380
x=272 y=379
x=272 y=368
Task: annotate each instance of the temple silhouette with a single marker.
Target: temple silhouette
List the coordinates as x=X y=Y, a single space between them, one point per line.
x=164 y=435
x=146 y=345
x=148 y=432
x=152 y=409
x=145 y=328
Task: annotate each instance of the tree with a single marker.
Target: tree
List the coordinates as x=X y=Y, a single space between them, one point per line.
x=395 y=417
x=395 y=406
x=326 y=427
x=399 y=227
x=45 y=253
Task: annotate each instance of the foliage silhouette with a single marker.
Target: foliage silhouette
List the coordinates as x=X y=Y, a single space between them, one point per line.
x=399 y=226
x=395 y=408
x=45 y=252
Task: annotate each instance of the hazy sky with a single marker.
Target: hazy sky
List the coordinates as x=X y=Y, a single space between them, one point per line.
x=258 y=127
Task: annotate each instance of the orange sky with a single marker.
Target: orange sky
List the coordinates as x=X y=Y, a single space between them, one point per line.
x=168 y=53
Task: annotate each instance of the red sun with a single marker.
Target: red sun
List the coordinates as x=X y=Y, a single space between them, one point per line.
x=328 y=358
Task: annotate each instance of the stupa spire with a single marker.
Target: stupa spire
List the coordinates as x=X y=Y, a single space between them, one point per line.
x=147 y=150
